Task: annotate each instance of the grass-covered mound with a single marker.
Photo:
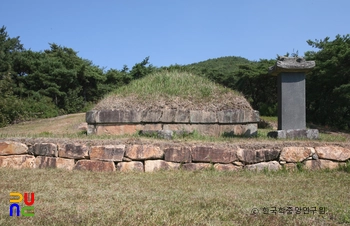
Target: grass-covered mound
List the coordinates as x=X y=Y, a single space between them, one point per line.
x=173 y=90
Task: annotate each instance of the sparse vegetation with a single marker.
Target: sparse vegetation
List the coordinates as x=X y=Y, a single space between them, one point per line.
x=176 y=197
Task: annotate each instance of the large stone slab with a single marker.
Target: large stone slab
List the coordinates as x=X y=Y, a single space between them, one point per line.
x=296 y=154
x=45 y=149
x=12 y=148
x=53 y=162
x=182 y=116
x=144 y=152
x=249 y=156
x=94 y=165
x=195 y=166
x=156 y=165
x=322 y=164
x=226 y=167
x=151 y=116
x=177 y=154
x=333 y=153
x=310 y=134
x=109 y=129
x=17 y=161
x=168 y=115
x=130 y=167
x=113 y=116
x=73 y=151
x=203 y=117
x=273 y=166
x=213 y=155
x=238 y=116
x=114 y=153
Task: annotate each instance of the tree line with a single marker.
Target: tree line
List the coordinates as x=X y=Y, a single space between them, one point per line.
x=57 y=81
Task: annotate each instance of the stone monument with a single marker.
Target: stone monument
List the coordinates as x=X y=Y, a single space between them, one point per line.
x=290 y=72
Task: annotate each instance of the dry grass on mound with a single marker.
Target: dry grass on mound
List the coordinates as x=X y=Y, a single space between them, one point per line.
x=173 y=90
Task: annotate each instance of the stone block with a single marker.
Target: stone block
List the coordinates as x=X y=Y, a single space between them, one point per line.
x=130 y=167
x=12 y=148
x=17 y=161
x=254 y=156
x=118 y=129
x=45 y=149
x=95 y=165
x=213 y=155
x=90 y=117
x=311 y=134
x=196 y=166
x=151 y=116
x=113 y=153
x=226 y=167
x=53 y=162
x=333 y=153
x=177 y=154
x=168 y=116
x=182 y=116
x=273 y=166
x=144 y=152
x=230 y=116
x=156 y=165
x=321 y=164
x=118 y=116
x=73 y=151
x=296 y=154
x=203 y=117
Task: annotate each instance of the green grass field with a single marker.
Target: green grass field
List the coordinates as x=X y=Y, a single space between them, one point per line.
x=177 y=197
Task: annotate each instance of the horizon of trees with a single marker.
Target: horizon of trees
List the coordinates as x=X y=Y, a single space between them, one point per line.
x=57 y=81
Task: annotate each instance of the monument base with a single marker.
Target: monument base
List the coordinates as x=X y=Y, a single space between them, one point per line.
x=311 y=134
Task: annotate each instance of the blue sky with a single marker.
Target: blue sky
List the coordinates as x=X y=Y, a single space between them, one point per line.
x=112 y=33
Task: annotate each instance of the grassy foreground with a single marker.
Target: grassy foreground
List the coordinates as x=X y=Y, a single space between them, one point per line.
x=176 y=197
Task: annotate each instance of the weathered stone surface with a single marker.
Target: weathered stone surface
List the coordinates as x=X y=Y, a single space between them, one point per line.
x=12 y=148
x=230 y=116
x=45 y=149
x=151 y=116
x=118 y=129
x=196 y=166
x=130 y=166
x=291 y=64
x=182 y=116
x=273 y=165
x=117 y=116
x=17 y=161
x=144 y=152
x=91 y=129
x=311 y=134
x=53 y=162
x=90 y=117
x=152 y=127
x=333 y=153
x=114 y=153
x=226 y=167
x=177 y=154
x=155 y=165
x=296 y=154
x=94 y=165
x=321 y=164
x=213 y=155
x=203 y=117
x=254 y=156
x=168 y=115
x=73 y=151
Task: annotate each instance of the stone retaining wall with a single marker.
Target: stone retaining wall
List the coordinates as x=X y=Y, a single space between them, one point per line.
x=169 y=156
x=118 y=122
